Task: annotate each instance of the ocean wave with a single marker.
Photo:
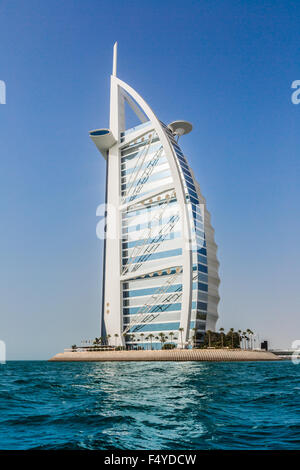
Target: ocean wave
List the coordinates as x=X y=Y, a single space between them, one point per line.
x=149 y=406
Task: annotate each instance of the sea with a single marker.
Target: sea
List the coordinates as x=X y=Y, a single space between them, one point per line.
x=149 y=405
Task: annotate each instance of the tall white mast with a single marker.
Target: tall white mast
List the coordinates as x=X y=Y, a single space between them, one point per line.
x=115 y=54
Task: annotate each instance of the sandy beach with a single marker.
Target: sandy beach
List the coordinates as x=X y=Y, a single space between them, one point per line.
x=213 y=355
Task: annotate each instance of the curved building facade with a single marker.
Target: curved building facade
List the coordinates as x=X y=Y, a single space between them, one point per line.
x=160 y=274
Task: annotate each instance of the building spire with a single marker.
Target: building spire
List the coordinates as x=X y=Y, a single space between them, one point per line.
x=114 y=72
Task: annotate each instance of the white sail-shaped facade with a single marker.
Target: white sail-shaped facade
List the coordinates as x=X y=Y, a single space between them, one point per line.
x=160 y=276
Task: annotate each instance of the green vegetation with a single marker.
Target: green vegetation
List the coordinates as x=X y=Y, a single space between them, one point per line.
x=181 y=330
x=221 y=340
x=212 y=339
x=151 y=336
x=168 y=346
x=162 y=339
x=222 y=336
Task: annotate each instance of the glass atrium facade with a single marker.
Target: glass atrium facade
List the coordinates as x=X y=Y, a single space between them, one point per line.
x=151 y=234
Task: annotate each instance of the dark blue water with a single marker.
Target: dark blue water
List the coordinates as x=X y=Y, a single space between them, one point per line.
x=165 y=405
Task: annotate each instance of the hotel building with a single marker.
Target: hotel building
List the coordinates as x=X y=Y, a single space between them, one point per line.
x=160 y=273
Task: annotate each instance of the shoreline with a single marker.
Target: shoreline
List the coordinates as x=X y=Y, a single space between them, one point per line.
x=199 y=355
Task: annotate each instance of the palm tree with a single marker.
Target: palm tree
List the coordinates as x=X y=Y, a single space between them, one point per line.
x=231 y=331
x=74 y=347
x=222 y=337
x=96 y=342
x=171 y=335
x=181 y=331
x=251 y=339
x=209 y=332
x=125 y=340
x=142 y=336
x=248 y=333
x=244 y=338
x=240 y=337
x=116 y=336
x=162 y=338
x=108 y=337
x=194 y=337
x=151 y=336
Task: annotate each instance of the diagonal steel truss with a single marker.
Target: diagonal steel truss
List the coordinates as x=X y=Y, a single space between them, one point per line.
x=145 y=175
x=143 y=315
x=140 y=175
x=148 y=244
x=150 y=311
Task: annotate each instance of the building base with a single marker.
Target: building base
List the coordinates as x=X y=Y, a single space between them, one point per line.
x=212 y=355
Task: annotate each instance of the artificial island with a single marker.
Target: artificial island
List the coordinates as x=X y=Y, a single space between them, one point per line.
x=160 y=269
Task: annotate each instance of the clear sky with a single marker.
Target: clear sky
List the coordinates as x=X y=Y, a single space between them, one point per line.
x=225 y=66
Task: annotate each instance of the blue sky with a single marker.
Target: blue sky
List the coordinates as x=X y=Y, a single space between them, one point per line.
x=225 y=66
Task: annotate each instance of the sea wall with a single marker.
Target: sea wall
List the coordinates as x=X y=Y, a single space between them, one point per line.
x=214 y=355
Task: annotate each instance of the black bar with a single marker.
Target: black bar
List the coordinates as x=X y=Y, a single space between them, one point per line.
x=155 y=458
